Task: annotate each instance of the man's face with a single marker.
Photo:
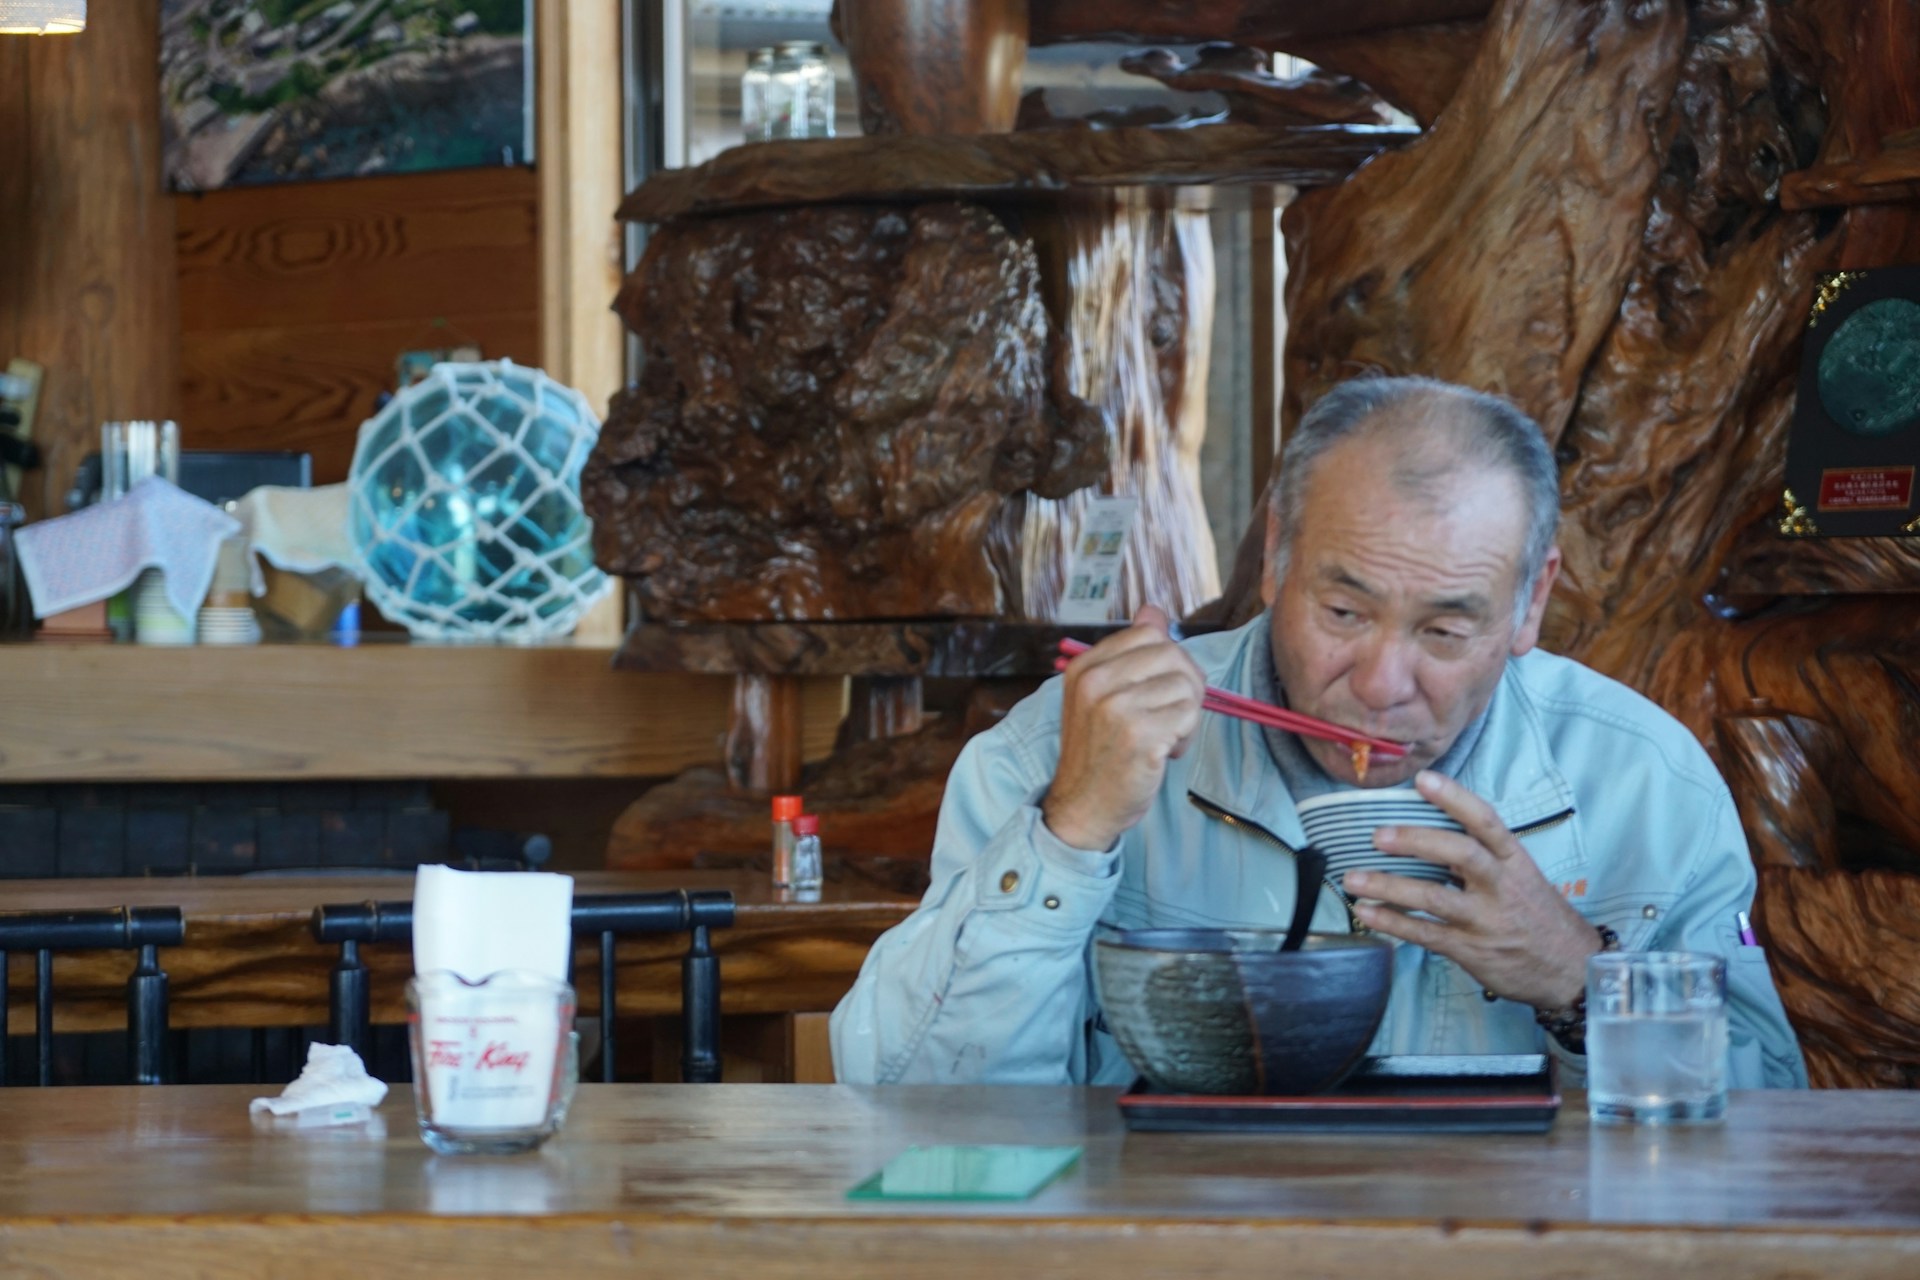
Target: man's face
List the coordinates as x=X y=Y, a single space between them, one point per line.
x=1396 y=613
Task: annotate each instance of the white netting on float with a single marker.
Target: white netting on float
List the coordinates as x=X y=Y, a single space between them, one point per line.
x=466 y=516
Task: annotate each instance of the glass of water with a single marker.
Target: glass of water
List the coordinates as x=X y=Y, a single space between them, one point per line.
x=1656 y=1037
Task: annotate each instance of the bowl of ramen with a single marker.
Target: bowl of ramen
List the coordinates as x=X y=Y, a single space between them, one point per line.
x=1226 y=1011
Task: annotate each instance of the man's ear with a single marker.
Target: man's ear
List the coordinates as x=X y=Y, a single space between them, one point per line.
x=1528 y=634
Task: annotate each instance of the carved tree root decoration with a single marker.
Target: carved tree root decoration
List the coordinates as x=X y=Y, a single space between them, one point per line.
x=1133 y=281
x=836 y=403
x=1844 y=949
x=877 y=800
x=1254 y=94
x=1852 y=669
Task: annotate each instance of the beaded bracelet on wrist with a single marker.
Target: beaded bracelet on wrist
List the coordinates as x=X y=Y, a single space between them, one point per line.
x=1568 y=1024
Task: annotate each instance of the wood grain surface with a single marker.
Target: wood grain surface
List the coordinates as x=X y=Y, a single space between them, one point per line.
x=132 y=713
x=936 y=66
x=678 y=1180
x=1270 y=24
x=295 y=300
x=1007 y=165
x=1891 y=175
x=250 y=961
x=87 y=286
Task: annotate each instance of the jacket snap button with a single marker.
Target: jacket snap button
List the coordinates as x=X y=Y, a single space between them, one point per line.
x=1649 y=911
x=1009 y=882
x=1053 y=903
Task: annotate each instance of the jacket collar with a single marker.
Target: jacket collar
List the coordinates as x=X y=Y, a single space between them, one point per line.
x=1511 y=766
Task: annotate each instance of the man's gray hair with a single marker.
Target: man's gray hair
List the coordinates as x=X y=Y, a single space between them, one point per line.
x=1421 y=414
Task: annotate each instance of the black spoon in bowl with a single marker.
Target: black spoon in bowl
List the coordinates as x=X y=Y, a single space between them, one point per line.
x=1310 y=868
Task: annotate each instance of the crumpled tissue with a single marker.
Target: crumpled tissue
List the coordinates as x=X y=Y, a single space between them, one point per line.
x=333 y=1077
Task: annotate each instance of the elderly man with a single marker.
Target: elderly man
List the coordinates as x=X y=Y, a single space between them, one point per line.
x=1412 y=545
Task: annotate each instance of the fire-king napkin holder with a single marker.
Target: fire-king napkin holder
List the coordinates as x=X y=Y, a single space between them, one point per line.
x=489 y=1009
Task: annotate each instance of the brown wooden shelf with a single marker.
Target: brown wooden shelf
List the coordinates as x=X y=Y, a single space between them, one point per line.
x=127 y=713
x=1033 y=164
x=964 y=647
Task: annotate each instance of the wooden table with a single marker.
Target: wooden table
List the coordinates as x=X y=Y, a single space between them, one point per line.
x=689 y=1180
x=249 y=960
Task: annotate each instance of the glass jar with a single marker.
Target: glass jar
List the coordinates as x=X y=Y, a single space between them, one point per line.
x=807 y=871
x=132 y=451
x=800 y=92
x=754 y=86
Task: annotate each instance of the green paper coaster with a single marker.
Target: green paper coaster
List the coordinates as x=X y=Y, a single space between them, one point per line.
x=966 y=1173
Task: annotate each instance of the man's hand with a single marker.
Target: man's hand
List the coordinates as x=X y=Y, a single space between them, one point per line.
x=1131 y=703
x=1507 y=927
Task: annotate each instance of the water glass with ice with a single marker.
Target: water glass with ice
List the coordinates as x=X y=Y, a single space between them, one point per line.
x=1656 y=1037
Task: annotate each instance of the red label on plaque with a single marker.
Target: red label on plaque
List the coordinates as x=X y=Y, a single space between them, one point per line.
x=1866 y=489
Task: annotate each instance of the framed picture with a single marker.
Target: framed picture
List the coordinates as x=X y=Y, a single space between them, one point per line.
x=259 y=91
x=1855 y=441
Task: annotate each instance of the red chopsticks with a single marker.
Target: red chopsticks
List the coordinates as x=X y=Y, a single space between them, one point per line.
x=1221 y=702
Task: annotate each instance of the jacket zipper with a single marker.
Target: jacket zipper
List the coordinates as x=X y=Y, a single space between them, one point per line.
x=1545 y=823
x=1261 y=833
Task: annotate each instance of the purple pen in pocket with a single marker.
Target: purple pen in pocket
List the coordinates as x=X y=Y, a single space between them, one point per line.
x=1746 y=929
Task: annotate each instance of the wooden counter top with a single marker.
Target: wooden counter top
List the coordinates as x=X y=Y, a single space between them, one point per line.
x=687 y=1180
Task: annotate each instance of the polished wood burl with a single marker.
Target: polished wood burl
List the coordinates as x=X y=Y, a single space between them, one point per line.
x=836 y=404
x=1271 y=24
x=935 y=66
x=1047 y=165
x=731 y=1180
x=1843 y=947
x=1244 y=77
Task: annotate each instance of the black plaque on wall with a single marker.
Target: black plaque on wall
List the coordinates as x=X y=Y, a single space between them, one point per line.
x=1855 y=442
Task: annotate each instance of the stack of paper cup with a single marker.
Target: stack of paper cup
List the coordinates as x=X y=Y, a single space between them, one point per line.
x=227 y=616
x=221 y=624
x=155 y=620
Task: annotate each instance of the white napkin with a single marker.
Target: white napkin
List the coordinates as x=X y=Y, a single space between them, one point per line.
x=476 y=923
x=299 y=530
x=333 y=1076
x=97 y=552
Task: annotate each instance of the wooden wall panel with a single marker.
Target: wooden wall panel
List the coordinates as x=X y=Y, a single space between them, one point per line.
x=301 y=386
x=295 y=299
x=87 y=285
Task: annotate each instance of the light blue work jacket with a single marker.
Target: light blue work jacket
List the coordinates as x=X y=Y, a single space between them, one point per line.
x=990 y=979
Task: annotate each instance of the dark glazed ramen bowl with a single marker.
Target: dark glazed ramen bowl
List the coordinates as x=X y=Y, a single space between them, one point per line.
x=1225 y=1011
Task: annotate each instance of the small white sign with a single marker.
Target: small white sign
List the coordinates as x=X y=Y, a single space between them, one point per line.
x=1093 y=570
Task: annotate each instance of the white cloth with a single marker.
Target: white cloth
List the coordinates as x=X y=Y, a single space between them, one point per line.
x=74 y=560
x=299 y=530
x=333 y=1076
x=477 y=923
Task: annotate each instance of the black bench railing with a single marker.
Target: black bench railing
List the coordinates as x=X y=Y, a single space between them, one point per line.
x=607 y=917
x=42 y=933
